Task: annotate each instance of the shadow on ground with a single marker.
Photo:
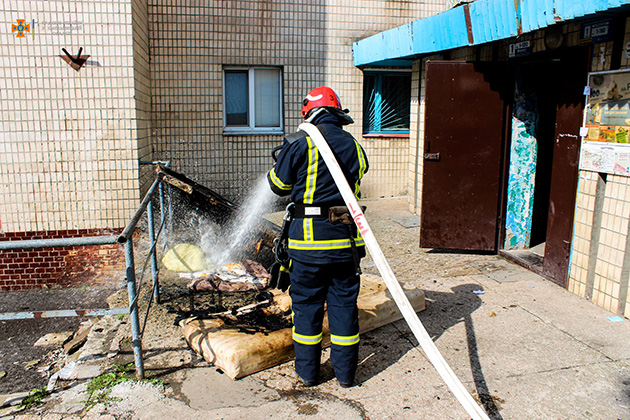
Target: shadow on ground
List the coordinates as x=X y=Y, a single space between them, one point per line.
x=444 y=310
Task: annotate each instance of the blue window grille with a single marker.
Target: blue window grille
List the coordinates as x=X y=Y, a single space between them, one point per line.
x=387 y=102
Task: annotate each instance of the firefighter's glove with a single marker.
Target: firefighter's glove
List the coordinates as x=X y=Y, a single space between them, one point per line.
x=284 y=278
x=279 y=270
x=280 y=278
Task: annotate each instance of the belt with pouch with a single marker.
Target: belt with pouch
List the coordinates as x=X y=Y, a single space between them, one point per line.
x=334 y=212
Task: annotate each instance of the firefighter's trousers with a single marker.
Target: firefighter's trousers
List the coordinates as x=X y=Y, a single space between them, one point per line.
x=312 y=286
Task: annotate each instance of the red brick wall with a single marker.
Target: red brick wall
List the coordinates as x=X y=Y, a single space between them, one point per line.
x=45 y=267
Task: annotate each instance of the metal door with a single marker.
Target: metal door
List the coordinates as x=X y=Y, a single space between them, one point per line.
x=569 y=79
x=464 y=126
x=564 y=178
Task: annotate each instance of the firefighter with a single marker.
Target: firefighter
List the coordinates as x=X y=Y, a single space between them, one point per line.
x=324 y=256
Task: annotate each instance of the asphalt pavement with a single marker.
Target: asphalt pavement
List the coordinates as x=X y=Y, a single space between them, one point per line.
x=522 y=346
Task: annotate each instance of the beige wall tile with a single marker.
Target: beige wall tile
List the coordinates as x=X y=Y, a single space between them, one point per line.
x=311 y=42
x=58 y=125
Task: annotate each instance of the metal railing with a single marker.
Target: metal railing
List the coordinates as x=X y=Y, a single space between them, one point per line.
x=133 y=287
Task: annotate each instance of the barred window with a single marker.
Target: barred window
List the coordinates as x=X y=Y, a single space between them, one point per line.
x=387 y=98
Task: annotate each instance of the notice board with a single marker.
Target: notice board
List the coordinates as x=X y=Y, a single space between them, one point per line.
x=606 y=128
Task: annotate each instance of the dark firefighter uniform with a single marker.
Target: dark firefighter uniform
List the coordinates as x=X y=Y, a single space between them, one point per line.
x=322 y=263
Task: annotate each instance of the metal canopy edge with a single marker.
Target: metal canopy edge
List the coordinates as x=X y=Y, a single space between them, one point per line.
x=471 y=24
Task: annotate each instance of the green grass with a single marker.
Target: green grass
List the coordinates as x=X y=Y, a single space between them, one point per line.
x=35 y=397
x=100 y=387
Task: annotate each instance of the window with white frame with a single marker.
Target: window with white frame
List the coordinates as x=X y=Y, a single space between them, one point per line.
x=252 y=100
x=386 y=102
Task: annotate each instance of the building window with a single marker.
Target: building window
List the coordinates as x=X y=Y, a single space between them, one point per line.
x=252 y=100
x=387 y=97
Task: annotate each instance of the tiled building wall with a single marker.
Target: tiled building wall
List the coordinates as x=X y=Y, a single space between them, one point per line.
x=69 y=153
x=582 y=232
x=612 y=243
x=142 y=89
x=310 y=41
x=416 y=136
x=68 y=139
x=600 y=260
x=389 y=157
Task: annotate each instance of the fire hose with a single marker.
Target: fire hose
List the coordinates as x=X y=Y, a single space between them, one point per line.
x=429 y=348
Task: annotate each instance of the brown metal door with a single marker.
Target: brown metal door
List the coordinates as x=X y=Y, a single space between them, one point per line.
x=564 y=178
x=569 y=79
x=463 y=142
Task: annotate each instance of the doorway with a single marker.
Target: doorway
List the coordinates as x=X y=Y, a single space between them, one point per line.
x=553 y=87
x=469 y=201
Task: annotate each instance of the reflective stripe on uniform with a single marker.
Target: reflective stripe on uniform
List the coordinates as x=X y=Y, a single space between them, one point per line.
x=307 y=228
x=344 y=340
x=362 y=168
x=362 y=160
x=277 y=182
x=311 y=185
x=311 y=172
x=309 y=340
x=324 y=244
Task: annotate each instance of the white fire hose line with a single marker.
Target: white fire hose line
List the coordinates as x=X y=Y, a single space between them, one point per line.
x=432 y=352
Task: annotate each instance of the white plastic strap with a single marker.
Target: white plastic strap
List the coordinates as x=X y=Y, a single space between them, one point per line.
x=432 y=352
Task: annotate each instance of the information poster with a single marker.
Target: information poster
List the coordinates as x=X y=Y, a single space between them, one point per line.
x=600 y=157
x=606 y=131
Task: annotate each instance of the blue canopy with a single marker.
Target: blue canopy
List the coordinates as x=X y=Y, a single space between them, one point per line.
x=471 y=24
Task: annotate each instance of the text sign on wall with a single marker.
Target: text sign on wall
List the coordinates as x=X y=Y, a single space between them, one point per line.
x=520 y=48
x=606 y=131
x=598 y=31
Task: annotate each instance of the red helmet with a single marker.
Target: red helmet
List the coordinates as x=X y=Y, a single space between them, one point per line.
x=318 y=97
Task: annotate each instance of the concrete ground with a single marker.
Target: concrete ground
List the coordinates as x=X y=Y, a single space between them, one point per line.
x=524 y=347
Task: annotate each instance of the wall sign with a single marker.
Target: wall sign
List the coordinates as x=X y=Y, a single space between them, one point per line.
x=520 y=48
x=597 y=31
x=606 y=129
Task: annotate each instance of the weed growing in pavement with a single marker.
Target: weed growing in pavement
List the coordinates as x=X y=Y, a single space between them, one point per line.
x=35 y=397
x=100 y=387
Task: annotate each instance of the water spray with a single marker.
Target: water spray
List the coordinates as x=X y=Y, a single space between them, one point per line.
x=220 y=250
